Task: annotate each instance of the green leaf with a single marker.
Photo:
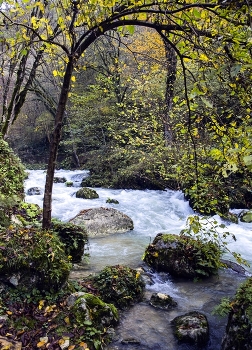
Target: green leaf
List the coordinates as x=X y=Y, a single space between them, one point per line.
x=206 y=102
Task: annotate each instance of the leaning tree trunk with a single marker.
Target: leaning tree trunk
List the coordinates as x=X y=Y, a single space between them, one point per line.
x=55 y=140
x=171 y=66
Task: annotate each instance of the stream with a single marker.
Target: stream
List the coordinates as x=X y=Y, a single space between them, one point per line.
x=152 y=212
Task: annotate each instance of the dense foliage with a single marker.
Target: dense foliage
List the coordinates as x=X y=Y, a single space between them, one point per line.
x=11 y=182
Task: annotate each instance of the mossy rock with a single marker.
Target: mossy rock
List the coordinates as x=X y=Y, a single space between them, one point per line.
x=33 y=258
x=74 y=239
x=86 y=193
x=89 y=307
x=246 y=216
x=162 y=301
x=182 y=256
x=191 y=328
x=119 y=285
x=59 y=180
x=28 y=213
x=112 y=201
x=239 y=327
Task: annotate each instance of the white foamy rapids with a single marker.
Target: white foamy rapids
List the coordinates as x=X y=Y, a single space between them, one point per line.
x=151 y=211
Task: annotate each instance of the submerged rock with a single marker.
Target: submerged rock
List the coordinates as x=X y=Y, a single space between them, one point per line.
x=162 y=301
x=191 y=328
x=238 y=334
x=103 y=221
x=34 y=191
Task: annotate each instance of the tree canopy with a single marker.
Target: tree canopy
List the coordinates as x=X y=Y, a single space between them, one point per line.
x=214 y=35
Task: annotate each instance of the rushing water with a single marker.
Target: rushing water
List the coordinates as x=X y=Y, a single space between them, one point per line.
x=152 y=212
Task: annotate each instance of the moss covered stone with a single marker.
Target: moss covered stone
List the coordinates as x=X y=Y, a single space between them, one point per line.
x=89 y=307
x=86 y=193
x=74 y=239
x=33 y=258
x=182 y=256
x=246 y=216
x=119 y=285
x=162 y=301
x=191 y=328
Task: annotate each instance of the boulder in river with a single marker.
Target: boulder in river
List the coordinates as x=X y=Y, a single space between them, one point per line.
x=103 y=221
x=34 y=191
x=86 y=193
x=182 y=256
x=246 y=216
x=191 y=327
x=162 y=301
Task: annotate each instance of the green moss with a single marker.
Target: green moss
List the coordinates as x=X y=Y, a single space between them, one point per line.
x=34 y=252
x=12 y=177
x=73 y=237
x=183 y=255
x=86 y=193
x=119 y=285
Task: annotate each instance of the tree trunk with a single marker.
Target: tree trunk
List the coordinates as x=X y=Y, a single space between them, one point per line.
x=171 y=61
x=55 y=140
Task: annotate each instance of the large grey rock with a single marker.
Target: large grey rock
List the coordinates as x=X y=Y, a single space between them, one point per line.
x=103 y=221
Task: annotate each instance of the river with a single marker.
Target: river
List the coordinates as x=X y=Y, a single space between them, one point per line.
x=152 y=212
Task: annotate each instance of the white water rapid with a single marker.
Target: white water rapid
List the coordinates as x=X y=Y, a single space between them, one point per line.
x=152 y=212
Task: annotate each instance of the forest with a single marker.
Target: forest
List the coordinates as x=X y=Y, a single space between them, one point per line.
x=145 y=94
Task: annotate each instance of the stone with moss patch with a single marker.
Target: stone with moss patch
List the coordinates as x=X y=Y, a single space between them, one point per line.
x=86 y=193
x=191 y=328
x=119 y=285
x=74 y=238
x=162 y=301
x=182 y=256
x=90 y=309
x=33 y=258
x=246 y=216
x=58 y=180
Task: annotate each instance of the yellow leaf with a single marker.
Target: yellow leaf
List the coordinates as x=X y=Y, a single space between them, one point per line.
x=40 y=344
x=55 y=73
x=9 y=312
x=41 y=304
x=71 y=347
x=203 y=57
x=66 y=319
x=50 y=308
x=73 y=78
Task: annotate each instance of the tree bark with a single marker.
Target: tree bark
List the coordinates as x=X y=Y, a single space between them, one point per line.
x=171 y=62
x=56 y=137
